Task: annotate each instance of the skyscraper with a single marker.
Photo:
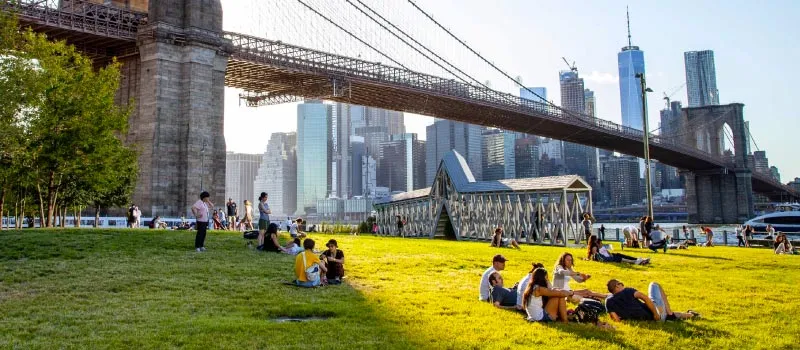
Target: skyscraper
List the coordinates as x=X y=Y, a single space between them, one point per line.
x=240 y=172
x=312 y=153
x=446 y=135
x=591 y=103
x=701 y=78
x=622 y=181
x=402 y=167
x=631 y=62
x=578 y=159
x=541 y=91
x=278 y=175
x=526 y=156
x=340 y=153
x=497 y=155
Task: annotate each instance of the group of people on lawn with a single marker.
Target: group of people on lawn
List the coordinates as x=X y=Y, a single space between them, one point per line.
x=545 y=300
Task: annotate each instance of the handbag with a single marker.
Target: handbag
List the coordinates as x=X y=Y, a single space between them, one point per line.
x=312 y=272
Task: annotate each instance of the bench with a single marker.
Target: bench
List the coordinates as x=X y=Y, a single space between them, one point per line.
x=768 y=243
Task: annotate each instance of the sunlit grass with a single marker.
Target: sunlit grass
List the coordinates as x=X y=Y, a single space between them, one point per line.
x=149 y=289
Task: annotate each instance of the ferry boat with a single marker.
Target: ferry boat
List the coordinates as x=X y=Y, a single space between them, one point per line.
x=781 y=221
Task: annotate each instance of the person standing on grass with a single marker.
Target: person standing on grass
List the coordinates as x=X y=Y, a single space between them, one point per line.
x=200 y=209
x=602 y=231
x=587 y=225
x=304 y=261
x=263 y=217
x=233 y=212
x=709 y=235
x=498 y=264
x=739 y=230
x=630 y=304
x=335 y=262
x=400 y=226
x=748 y=235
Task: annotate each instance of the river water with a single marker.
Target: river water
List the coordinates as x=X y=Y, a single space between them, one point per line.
x=720 y=231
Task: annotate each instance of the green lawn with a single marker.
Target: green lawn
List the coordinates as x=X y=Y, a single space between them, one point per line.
x=149 y=289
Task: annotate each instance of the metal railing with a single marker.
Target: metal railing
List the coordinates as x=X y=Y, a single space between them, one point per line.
x=79 y=15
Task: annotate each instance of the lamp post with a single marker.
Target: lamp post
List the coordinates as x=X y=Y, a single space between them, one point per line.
x=646 y=141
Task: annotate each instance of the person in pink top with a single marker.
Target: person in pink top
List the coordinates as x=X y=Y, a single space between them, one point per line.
x=200 y=210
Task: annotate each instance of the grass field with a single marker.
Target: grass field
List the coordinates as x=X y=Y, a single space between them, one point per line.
x=94 y=289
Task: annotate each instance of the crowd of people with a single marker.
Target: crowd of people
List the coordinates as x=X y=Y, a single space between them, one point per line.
x=541 y=299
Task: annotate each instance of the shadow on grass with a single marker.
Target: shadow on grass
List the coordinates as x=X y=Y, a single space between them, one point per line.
x=701 y=256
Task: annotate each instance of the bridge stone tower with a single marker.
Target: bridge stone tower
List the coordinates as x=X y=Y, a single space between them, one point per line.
x=178 y=85
x=718 y=195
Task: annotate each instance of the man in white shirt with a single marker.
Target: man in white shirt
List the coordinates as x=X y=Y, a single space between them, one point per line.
x=658 y=240
x=200 y=211
x=498 y=264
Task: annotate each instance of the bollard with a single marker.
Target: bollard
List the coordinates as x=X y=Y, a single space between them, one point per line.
x=617 y=235
x=725 y=237
x=692 y=232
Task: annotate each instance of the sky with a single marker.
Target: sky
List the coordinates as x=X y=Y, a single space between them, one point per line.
x=754 y=46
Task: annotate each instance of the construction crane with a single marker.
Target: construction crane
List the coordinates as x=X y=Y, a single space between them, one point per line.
x=571 y=67
x=674 y=91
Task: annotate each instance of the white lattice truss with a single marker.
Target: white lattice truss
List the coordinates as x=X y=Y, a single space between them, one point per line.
x=475 y=215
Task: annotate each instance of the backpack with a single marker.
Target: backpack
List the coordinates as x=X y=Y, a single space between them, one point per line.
x=312 y=272
x=588 y=311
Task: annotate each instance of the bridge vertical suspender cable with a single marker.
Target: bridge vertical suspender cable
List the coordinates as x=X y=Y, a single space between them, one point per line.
x=416 y=42
x=351 y=34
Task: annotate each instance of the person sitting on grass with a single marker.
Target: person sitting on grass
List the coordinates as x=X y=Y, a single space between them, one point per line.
x=335 y=259
x=782 y=244
x=563 y=272
x=543 y=303
x=523 y=283
x=305 y=261
x=499 y=241
x=485 y=289
x=294 y=229
x=598 y=252
x=271 y=243
x=294 y=247
x=658 y=240
x=504 y=298
x=630 y=304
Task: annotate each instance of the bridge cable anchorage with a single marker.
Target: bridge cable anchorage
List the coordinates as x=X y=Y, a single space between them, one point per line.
x=416 y=42
x=568 y=112
x=352 y=35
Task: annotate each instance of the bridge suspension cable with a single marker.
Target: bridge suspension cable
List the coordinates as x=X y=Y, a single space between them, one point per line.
x=477 y=54
x=351 y=34
x=414 y=40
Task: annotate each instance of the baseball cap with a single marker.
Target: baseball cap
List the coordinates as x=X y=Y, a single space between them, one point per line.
x=499 y=258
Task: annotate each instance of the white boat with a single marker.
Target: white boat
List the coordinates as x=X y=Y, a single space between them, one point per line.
x=781 y=221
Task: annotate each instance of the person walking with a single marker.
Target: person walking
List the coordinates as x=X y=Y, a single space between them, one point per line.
x=247 y=220
x=263 y=217
x=233 y=212
x=200 y=209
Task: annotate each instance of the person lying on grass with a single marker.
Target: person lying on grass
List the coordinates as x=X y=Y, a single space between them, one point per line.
x=523 y=283
x=305 y=260
x=500 y=242
x=485 y=290
x=504 y=298
x=630 y=304
x=544 y=303
x=335 y=259
x=598 y=252
x=294 y=247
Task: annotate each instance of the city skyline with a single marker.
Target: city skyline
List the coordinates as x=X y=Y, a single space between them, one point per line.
x=594 y=44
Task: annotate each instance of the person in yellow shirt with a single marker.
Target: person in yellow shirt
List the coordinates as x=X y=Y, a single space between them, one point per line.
x=305 y=260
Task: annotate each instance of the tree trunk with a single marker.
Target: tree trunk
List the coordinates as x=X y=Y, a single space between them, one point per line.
x=41 y=204
x=97 y=216
x=79 y=216
x=76 y=222
x=63 y=216
x=52 y=191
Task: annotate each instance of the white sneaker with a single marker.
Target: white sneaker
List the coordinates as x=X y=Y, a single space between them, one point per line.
x=202 y=249
x=199 y=250
x=638 y=261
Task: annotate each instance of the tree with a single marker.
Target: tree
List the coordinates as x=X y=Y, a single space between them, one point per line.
x=68 y=127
